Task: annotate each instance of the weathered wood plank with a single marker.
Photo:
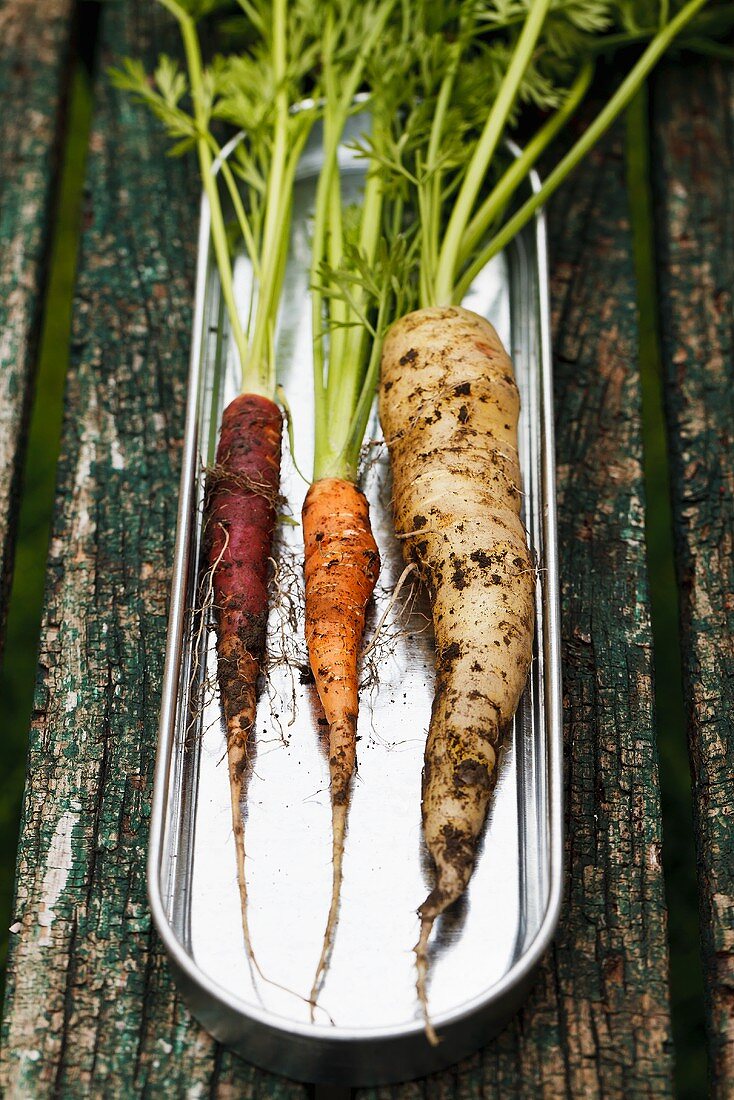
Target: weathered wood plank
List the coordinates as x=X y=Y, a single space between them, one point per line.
x=694 y=158
x=34 y=54
x=91 y=1010
x=597 y=1023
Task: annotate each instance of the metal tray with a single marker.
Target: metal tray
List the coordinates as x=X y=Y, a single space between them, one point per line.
x=486 y=950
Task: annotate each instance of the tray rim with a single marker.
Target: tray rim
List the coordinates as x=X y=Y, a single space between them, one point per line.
x=521 y=970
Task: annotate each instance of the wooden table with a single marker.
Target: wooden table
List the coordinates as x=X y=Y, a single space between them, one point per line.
x=91 y=1010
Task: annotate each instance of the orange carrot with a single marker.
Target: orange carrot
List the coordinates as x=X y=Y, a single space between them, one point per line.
x=341 y=566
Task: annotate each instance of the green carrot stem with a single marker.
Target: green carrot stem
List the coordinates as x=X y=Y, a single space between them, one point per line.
x=318 y=236
x=349 y=458
x=218 y=229
x=253 y=15
x=495 y=202
x=336 y=111
x=261 y=343
x=431 y=213
x=443 y=291
x=598 y=127
x=335 y=251
x=242 y=219
x=356 y=335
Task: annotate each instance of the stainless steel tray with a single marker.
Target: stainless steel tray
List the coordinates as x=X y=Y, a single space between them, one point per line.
x=486 y=951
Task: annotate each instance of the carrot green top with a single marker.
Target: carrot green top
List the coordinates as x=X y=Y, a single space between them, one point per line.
x=449 y=82
x=478 y=73
x=356 y=255
x=254 y=90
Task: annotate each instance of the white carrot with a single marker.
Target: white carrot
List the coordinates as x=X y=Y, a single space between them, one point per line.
x=449 y=408
x=448 y=400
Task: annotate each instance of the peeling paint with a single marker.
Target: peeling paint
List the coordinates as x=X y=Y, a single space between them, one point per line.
x=58 y=866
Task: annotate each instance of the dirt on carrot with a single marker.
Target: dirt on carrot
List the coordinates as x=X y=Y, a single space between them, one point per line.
x=449 y=407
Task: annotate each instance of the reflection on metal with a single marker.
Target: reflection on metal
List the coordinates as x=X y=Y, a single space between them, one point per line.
x=486 y=950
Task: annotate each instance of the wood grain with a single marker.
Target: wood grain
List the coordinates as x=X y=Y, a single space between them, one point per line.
x=91 y=1010
x=34 y=62
x=694 y=158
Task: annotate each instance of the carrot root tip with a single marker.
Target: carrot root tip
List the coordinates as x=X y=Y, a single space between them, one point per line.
x=338 y=830
x=421 y=962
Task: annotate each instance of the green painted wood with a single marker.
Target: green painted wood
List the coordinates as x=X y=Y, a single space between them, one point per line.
x=91 y=1010
x=597 y=1022
x=694 y=159
x=34 y=57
